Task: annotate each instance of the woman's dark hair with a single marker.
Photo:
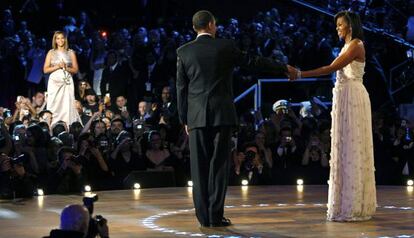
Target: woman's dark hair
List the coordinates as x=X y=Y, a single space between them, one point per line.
x=201 y=19
x=85 y=136
x=94 y=123
x=58 y=128
x=354 y=21
x=38 y=135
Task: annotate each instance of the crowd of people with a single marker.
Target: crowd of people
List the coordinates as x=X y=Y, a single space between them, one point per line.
x=125 y=96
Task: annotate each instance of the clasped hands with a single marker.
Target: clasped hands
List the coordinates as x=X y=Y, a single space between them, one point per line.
x=293 y=73
x=62 y=65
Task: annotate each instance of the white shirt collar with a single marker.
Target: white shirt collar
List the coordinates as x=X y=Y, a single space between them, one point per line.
x=114 y=66
x=203 y=34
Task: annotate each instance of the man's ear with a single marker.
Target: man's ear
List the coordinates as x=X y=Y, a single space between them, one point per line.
x=194 y=28
x=210 y=25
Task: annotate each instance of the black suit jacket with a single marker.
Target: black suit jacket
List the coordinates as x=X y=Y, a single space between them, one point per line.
x=204 y=80
x=116 y=82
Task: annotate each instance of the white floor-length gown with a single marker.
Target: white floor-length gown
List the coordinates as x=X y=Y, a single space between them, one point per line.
x=352 y=193
x=60 y=90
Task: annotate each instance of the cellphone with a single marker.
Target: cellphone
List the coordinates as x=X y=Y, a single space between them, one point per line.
x=288 y=138
x=16 y=138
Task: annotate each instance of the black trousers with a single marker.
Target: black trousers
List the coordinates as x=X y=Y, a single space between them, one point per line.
x=210 y=156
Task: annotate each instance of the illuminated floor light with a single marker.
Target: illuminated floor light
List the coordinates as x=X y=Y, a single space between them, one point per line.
x=299 y=182
x=137 y=186
x=87 y=188
x=190 y=183
x=244 y=182
x=40 y=192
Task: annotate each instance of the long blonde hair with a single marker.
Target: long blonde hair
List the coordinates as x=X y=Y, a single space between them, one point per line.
x=54 y=45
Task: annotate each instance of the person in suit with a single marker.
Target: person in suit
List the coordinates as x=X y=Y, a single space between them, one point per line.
x=205 y=106
x=115 y=77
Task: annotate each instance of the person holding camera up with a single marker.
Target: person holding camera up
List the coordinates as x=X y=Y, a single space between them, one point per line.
x=14 y=181
x=74 y=223
x=94 y=165
x=69 y=177
x=315 y=160
x=124 y=158
x=250 y=165
x=286 y=157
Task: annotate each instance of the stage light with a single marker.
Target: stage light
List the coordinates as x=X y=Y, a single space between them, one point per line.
x=299 y=182
x=87 y=188
x=40 y=192
x=137 y=186
x=410 y=182
x=190 y=183
x=244 y=182
x=104 y=34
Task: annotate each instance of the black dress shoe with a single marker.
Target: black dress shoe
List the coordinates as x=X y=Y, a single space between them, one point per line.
x=224 y=222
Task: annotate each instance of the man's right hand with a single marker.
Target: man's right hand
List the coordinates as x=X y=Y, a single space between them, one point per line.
x=292 y=73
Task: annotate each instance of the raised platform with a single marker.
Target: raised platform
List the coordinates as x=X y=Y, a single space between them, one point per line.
x=273 y=211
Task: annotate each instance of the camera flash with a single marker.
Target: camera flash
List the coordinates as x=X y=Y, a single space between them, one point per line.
x=410 y=182
x=245 y=182
x=87 y=188
x=299 y=182
x=190 y=183
x=137 y=186
x=40 y=192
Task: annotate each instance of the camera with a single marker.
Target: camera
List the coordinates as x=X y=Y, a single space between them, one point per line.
x=77 y=159
x=249 y=157
x=88 y=202
x=7 y=113
x=99 y=220
x=19 y=159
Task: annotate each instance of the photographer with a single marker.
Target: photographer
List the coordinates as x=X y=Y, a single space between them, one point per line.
x=315 y=161
x=143 y=121
x=286 y=157
x=251 y=166
x=94 y=165
x=403 y=149
x=285 y=116
x=24 y=109
x=124 y=158
x=69 y=177
x=14 y=181
x=74 y=223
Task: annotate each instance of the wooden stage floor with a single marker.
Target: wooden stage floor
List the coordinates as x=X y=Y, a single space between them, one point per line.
x=263 y=211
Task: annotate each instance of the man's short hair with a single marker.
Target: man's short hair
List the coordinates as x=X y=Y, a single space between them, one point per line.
x=201 y=19
x=43 y=113
x=118 y=120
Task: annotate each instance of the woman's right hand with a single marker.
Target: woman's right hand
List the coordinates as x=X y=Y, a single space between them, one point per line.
x=62 y=65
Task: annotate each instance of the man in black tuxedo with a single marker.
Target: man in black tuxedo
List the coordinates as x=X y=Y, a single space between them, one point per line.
x=115 y=77
x=205 y=106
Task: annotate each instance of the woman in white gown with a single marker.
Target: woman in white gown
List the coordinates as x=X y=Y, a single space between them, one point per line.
x=61 y=64
x=352 y=193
